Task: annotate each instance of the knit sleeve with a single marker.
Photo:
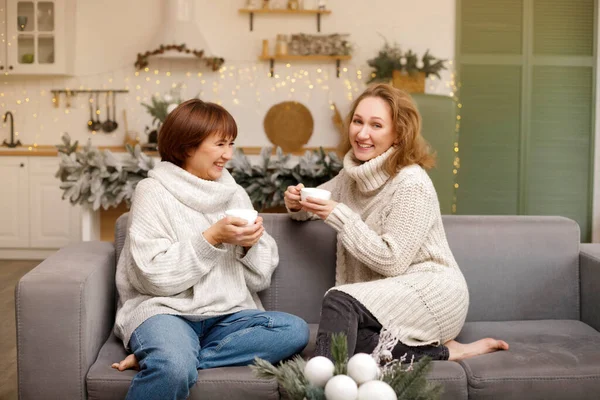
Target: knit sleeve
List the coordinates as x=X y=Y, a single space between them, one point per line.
x=260 y=260
x=164 y=266
x=259 y=263
x=404 y=229
x=331 y=185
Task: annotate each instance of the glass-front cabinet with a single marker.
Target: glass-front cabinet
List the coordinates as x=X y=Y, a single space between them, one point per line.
x=35 y=37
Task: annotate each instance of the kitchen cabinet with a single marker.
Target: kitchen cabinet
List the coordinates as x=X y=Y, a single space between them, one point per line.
x=33 y=214
x=37 y=37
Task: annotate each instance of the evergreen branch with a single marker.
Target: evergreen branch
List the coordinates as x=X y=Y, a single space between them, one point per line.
x=290 y=375
x=412 y=384
x=264 y=369
x=315 y=393
x=339 y=351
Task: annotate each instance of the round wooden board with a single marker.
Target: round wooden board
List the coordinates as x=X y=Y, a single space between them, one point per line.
x=289 y=125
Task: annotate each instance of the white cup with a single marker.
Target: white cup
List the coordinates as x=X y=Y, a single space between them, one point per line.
x=314 y=192
x=243 y=213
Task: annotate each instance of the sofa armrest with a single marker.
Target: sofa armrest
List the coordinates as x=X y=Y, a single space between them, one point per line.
x=65 y=311
x=589 y=266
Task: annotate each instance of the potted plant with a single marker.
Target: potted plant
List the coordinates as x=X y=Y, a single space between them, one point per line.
x=159 y=108
x=403 y=69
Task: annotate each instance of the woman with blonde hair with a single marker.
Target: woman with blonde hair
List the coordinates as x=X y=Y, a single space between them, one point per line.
x=395 y=272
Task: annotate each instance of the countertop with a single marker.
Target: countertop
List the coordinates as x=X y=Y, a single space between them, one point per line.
x=51 y=151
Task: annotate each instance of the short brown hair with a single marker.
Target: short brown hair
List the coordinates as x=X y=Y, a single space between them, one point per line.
x=186 y=127
x=411 y=148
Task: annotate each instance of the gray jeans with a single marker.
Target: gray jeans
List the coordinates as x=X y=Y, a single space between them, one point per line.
x=341 y=312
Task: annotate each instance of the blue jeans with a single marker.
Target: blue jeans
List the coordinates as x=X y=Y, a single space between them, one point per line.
x=171 y=349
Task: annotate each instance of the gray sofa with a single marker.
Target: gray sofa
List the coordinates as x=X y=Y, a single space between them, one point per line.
x=531 y=283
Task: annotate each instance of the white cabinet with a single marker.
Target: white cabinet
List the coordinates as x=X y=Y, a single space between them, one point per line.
x=37 y=37
x=33 y=214
x=53 y=222
x=14 y=215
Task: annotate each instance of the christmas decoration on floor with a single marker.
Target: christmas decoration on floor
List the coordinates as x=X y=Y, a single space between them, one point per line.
x=359 y=378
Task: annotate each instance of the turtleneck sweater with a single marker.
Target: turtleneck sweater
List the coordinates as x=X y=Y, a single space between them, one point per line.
x=167 y=266
x=392 y=252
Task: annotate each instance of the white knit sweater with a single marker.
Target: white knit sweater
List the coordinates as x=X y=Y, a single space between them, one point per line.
x=392 y=252
x=167 y=266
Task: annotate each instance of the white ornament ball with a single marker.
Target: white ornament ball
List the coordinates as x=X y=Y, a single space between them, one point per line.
x=362 y=368
x=341 y=387
x=376 y=390
x=318 y=371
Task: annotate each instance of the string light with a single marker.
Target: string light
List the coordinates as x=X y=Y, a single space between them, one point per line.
x=301 y=84
x=456 y=163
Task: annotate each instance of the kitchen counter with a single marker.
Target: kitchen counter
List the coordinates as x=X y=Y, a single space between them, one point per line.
x=51 y=151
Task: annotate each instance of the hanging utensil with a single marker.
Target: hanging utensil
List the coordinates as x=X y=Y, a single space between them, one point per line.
x=114 y=107
x=91 y=120
x=68 y=97
x=97 y=126
x=107 y=125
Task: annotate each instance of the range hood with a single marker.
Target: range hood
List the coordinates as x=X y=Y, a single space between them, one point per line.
x=179 y=27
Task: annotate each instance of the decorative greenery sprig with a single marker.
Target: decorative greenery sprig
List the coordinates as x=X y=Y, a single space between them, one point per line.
x=411 y=383
x=142 y=59
x=89 y=176
x=339 y=351
x=267 y=181
x=391 y=57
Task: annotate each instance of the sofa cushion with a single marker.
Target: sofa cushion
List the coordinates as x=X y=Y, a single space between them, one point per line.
x=517 y=267
x=104 y=382
x=548 y=359
x=232 y=383
x=306 y=266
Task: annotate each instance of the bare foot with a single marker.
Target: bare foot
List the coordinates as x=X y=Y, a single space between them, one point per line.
x=460 y=351
x=130 y=362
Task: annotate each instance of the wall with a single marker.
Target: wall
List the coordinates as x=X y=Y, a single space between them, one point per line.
x=110 y=33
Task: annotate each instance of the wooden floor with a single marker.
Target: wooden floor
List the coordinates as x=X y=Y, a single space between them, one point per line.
x=10 y=273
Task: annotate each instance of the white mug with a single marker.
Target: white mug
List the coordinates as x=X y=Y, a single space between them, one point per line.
x=314 y=192
x=243 y=213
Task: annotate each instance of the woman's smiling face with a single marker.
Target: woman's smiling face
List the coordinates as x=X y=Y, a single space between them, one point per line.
x=371 y=130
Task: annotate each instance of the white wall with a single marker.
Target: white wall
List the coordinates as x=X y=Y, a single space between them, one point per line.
x=110 y=33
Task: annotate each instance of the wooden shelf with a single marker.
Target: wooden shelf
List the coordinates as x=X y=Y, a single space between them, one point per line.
x=281 y=11
x=310 y=58
x=253 y=11
x=293 y=57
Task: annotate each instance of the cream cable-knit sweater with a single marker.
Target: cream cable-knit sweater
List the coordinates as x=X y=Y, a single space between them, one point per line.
x=392 y=252
x=167 y=267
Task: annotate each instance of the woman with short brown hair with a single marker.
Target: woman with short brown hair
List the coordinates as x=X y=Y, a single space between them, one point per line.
x=188 y=277
x=394 y=269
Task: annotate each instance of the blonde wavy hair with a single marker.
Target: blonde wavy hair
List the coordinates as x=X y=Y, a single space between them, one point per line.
x=411 y=147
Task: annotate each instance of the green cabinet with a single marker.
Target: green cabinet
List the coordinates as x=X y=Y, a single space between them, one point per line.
x=439 y=120
x=527 y=76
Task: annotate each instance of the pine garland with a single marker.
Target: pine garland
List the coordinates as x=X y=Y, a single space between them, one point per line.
x=99 y=178
x=267 y=181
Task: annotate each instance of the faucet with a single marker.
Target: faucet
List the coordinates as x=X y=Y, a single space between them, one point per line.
x=12 y=132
